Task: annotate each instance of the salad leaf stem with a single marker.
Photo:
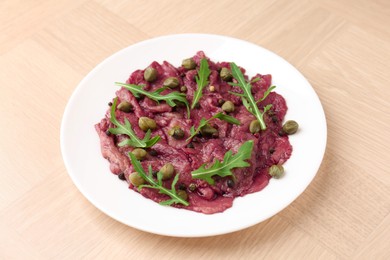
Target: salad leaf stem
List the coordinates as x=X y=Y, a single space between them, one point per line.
x=127 y=130
x=247 y=97
x=203 y=122
x=201 y=81
x=225 y=167
x=266 y=93
x=170 y=98
x=158 y=185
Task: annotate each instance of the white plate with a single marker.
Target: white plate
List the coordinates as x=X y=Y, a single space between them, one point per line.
x=90 y=172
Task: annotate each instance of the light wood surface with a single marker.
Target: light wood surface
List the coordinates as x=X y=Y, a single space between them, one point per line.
x=341 y=46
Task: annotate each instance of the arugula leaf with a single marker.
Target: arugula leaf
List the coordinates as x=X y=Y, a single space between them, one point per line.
x=127 y=130
x=171 y=98
x=266 y=93
x=247 y=97
x=158 y=185
x=266 y=108
x=201 y=81
x=224 y=168
x=255 y=80
x=226 y=118
x=203 y=122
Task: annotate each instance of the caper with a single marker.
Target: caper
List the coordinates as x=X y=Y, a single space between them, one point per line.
x=290 y=127
x=276 y=171
x=208 y=130
x=150 y=74
x=176 y=132
x=254 y=126
x=225 y=74
x=171 y=82
x=125 y=106
x=139 y=153
x=167 y=171
x=183 y=89
x=136 y=179
x=192 y=187
x=228 y=106
x=182 y=194
x=189 y=64
x=146 y=123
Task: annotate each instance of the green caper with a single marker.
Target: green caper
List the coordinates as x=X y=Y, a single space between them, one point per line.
x=208 y=130
x=225 y=74
x=125 y=106
x=136 y=179
x=146 y=123
x=254 y=126
x=167 y=171
x=276 y=171
x=171 y=82
x=182 y=194
x=290 y=127
x=189 y=64
x=228 y=106
x=150 y=74
x=139 y=153
x=183 y=89
x=176 y=132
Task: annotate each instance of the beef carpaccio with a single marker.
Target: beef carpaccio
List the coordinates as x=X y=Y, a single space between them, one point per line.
x=188 y=150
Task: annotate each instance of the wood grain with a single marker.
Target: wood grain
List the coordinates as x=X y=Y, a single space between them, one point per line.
x=342 y=47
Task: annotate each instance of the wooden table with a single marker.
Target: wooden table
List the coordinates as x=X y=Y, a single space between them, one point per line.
x=341 y=46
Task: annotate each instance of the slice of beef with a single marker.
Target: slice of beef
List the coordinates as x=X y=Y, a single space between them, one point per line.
x=125 y=95
x=199 y=204
x=118 y=161
x=153 y=107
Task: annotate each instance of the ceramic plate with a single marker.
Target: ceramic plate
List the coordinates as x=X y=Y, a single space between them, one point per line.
x=90 y=171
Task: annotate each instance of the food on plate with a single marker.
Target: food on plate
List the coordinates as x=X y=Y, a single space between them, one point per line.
x=198 y=135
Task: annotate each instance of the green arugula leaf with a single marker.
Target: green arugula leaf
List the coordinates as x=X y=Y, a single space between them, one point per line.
x=266 y=108
x=171 y=98
x=203 y=122
x=158 y=185
x=201 y=81
x=255 y=80
x=227 y=118
x=192 y=132
x=224 y=168
x=247 y=97
x=266 y=93
x=126 y=129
